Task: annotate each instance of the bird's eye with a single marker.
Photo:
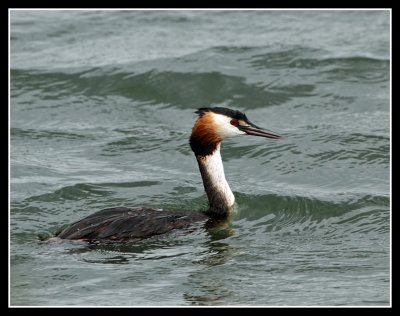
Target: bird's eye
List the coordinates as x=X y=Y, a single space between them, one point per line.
x=234 y=122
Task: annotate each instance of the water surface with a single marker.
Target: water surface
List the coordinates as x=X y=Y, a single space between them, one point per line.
x=101 y=110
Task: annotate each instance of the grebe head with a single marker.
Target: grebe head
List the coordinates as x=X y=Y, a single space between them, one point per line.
x=216 y=124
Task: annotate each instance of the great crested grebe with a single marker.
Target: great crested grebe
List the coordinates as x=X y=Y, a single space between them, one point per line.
x=211 y=128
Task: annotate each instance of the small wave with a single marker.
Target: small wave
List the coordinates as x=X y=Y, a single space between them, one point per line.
x=38 y=134
x=228 y=75
x=74 y=192
x=166 y=87
x=86 y=191
x=140 y=139
x=301 y=215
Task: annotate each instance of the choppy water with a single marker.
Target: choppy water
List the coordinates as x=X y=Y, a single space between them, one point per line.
x=101 y=110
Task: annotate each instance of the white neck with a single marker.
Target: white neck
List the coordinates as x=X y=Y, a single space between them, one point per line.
x=220 y=196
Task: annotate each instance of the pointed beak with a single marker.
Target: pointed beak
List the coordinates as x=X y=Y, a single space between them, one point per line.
x=254 y=130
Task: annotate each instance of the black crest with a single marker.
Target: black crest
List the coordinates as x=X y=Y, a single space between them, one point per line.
x=224 y=111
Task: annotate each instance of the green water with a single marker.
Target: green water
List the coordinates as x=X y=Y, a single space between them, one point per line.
x=101 y=110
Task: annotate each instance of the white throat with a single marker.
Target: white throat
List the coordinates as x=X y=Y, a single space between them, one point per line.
x=220 y=196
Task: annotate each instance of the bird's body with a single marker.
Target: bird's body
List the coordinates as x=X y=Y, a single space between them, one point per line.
x=120 y=223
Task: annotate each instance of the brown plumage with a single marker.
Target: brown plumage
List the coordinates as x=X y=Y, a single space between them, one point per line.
x=204 y=138
x=205 y=129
